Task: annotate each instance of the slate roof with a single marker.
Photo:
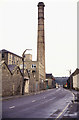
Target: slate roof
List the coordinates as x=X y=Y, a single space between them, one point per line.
x=49 y=76
x=6 y=51
x=11 y=67
x=75 y=72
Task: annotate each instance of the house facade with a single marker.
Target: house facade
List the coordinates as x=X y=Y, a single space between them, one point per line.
x=50 y=81
x=76 y=79
x=73 y=80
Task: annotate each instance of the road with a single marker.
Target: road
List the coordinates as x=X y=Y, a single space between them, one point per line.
x=51 y=103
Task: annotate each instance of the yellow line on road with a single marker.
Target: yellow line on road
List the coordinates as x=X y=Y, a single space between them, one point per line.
x=62 y=111
x=65 y=107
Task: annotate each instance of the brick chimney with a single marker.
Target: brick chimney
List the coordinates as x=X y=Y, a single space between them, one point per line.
x=41 y=39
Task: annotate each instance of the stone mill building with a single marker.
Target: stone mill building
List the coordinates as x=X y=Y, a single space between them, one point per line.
x=34 y=71
x=37 y=68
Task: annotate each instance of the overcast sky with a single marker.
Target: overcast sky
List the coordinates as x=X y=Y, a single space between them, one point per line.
x=18 y=31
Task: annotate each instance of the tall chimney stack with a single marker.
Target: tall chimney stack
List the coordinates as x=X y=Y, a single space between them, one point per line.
x=41 y=39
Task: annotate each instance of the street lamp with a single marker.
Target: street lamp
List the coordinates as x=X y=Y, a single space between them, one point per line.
x=23 y=70
x=70 y=77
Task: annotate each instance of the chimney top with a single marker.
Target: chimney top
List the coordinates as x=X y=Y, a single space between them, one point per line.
x=41 y=4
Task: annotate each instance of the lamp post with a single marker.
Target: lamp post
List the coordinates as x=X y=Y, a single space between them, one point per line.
x=70 y=77
x=23 y=70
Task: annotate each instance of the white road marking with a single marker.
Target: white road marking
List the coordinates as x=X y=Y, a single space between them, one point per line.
x=48 y=100
x=67 y=101
x=58 y=89
x=12 y=107
x=33 y=100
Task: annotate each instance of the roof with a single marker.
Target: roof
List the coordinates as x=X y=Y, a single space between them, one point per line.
x=6 y=51
x=11 y=67
x=75 y=72
x=6 y=66
x=49 y=75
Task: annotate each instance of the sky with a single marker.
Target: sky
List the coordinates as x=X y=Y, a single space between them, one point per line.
x=19 y=25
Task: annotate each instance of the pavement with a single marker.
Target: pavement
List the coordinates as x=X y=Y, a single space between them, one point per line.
x=19 y=96
x=73 y=109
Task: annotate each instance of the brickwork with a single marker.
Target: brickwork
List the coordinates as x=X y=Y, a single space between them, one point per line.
x=41 y=41
x=38 y=73
x=41 y=44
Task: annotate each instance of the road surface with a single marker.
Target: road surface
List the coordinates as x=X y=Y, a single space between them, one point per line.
x=51 y=103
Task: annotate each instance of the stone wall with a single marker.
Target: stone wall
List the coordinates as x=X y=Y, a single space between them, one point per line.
x=37 y=75
x=76 y=81
x=11 y=82
x=0 y=56
x=50 y=83
x=33 y=75
x=0 y=80
x=6 y=81
x=17 y=82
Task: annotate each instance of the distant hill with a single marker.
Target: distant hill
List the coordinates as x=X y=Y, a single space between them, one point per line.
x=61 y=80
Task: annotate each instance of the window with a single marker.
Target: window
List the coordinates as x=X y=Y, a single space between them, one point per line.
x=17 y=71
x=9 y=61
x=17 y=61
x=14 y=59
x=33 y=65
x=2 y=55
x=28 y=71
x=21 y=66
x=9 y=56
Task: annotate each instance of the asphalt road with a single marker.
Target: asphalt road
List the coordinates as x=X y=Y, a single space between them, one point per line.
x=49 y=104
